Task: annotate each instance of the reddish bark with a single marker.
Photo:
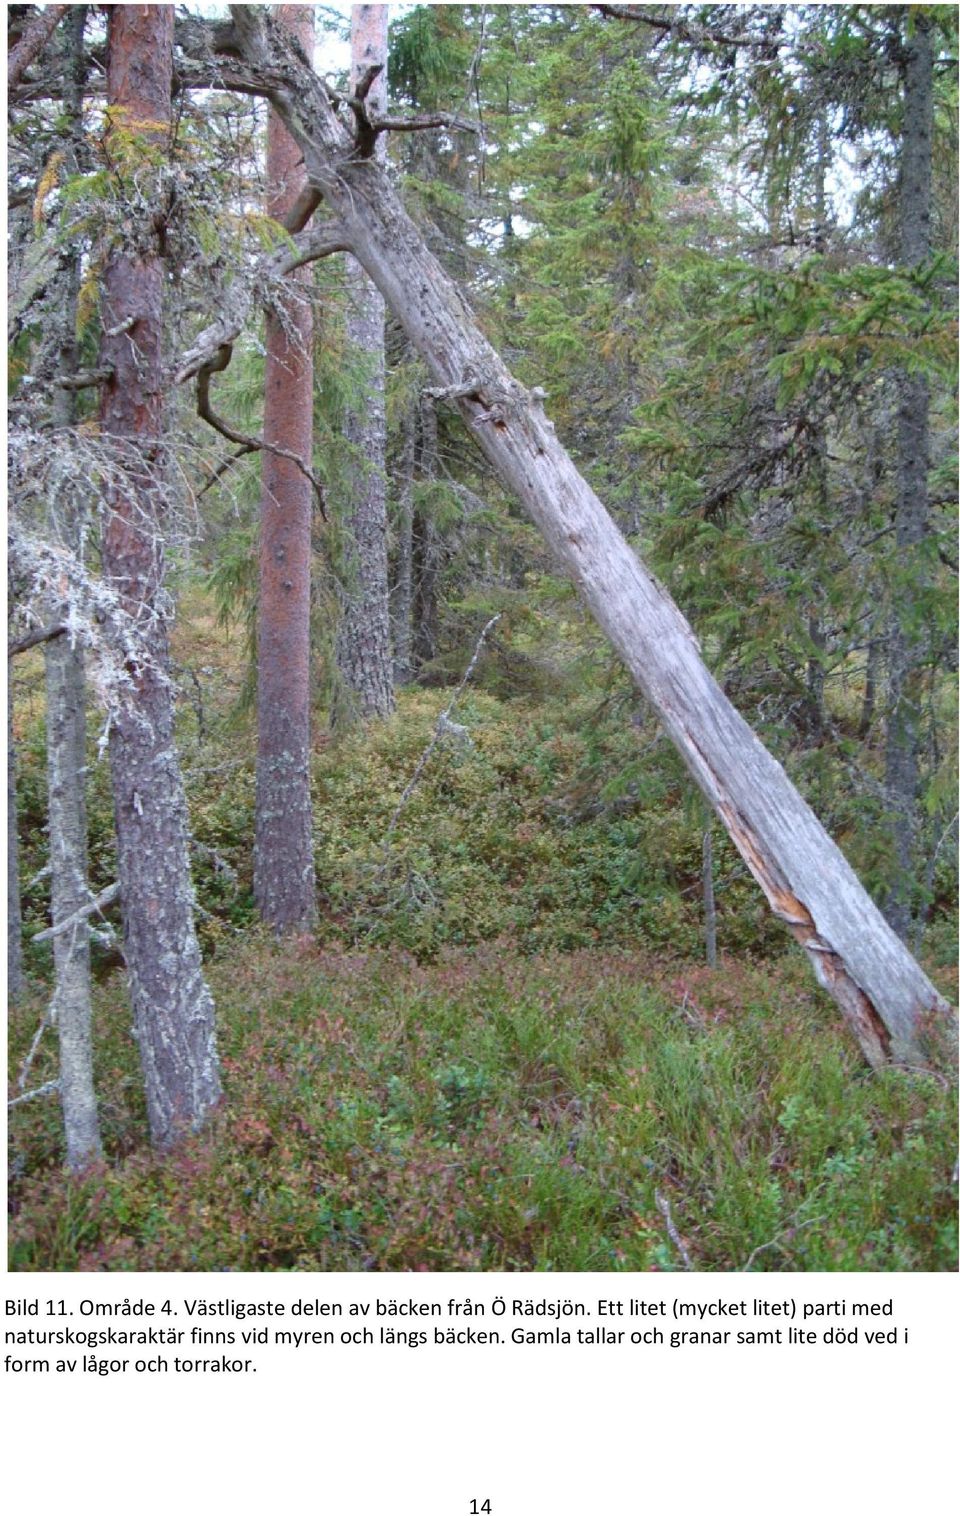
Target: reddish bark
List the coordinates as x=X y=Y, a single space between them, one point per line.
x=172 y=1007
x=31 y=44
x=283 y=854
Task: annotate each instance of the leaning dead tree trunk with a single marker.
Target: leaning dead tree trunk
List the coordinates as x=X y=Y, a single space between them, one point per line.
x=283 y=876
x=889 y=1003
x=172 y=1006
x=363 y=641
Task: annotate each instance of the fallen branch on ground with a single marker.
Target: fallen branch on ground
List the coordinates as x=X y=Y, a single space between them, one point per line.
x=663 y=1206
x=442 y=726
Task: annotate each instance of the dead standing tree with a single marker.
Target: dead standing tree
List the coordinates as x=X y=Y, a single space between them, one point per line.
x=889 y=1003
x=172 y=1006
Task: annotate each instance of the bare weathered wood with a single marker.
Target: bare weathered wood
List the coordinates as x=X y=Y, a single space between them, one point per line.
x=80 y=914
x=887 y=1000
x=307 y=247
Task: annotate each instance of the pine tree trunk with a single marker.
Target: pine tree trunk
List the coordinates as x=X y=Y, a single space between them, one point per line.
x=906 y=642
x=363 y=641
x=14 y=917
x=886 y=998
x=172 y=1006
x=283 y=877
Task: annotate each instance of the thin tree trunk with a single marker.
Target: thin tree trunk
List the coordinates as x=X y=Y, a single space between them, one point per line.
x=403 y=586
x=868 y=707
x=427 y=550
x=283 y=871
x=906 y=642
x=816 y=677
x=363 y=641
x=709 y=902
x=66 y=761
x=172 y=1006
x=14 y=917
x=66 y=733
x=886 y=998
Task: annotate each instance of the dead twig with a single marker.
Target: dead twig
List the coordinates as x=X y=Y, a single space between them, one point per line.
x=442 y=726
x=663 y=1206
x=51 y=1086
x=777 y=1242
x=33 y=639
x=106 y=897
x=247 y=443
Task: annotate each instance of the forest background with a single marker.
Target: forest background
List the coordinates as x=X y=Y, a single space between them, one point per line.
x=535 y=1012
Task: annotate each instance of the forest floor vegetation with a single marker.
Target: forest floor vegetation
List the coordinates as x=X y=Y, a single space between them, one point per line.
x=496 y=1110
x=503 y=1049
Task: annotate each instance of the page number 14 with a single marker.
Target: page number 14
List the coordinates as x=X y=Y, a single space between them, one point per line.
x=480 y=1508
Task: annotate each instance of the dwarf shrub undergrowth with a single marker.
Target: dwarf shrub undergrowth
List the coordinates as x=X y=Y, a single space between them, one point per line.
x=495 y=1110
x=503 y=1051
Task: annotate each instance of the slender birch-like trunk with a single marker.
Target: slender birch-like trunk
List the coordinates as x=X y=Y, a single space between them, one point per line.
x=172 y=1006
x=889 y=1003
x=906 y=640
x=14 y=916
x=66 y=764
x=709 y=901
x=403 y=583
x=66 y=727
x=363 y=640
x=283 y=872
x=427 y=549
